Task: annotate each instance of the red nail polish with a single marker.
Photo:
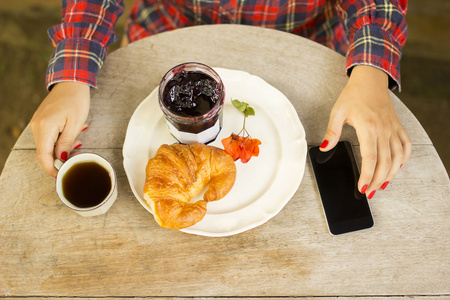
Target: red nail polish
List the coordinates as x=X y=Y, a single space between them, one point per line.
x=371 y=195
x=85 y=128
x=384 y=185
x=364 y=189
x=401 y=165
x=64 y=156
x=324 y=144
x=77 y=146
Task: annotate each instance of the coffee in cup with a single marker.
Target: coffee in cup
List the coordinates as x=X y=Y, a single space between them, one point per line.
x=86 y=183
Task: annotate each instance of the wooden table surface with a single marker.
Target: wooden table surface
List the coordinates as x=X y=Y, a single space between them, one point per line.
x=47 y=250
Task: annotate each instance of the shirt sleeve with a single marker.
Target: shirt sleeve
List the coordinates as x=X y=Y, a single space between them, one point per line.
x=81 y=40
x=377 y=31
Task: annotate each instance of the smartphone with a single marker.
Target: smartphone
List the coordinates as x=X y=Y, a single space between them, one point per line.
x=337 y=175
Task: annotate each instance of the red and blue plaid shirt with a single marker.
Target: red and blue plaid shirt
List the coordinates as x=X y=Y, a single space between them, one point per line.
x=368 y=32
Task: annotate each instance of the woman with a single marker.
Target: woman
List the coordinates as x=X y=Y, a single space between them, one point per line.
x=370 y=33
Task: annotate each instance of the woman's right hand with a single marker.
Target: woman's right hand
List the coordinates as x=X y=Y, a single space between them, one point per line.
x=58 y=121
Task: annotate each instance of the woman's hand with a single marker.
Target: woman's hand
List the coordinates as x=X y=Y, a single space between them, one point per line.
x=58 y=121
x=366 y=105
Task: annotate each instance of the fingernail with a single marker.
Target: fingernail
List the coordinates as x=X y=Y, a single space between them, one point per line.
x=384 y=185
x=371 y=195
x=364 y=189
x=401 y=165
x=64 y=156
x=324 y=144
x=84 y=128
x=77 y=146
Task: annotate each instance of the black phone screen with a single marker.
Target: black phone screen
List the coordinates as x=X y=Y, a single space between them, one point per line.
x=336 y=172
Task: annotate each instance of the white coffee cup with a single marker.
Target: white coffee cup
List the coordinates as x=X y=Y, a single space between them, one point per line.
x=64 y=167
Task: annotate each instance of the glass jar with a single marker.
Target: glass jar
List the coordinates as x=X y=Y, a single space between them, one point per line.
x=191 y=96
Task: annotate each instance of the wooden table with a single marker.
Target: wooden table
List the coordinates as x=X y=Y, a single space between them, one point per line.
x=47 y=250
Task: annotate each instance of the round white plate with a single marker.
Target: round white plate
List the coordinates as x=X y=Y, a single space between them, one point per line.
x=263 y=185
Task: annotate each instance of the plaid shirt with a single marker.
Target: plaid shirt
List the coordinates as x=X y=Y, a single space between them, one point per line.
x=368 y=32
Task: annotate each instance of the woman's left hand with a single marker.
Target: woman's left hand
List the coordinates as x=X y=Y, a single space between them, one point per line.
x=365 y=104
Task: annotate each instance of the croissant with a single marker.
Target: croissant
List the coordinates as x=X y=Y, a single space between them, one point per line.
x=177 y=173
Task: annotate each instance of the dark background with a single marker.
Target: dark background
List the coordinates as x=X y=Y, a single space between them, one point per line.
x=25 y=51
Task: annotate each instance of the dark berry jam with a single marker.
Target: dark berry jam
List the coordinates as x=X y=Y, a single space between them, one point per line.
x=191 y=94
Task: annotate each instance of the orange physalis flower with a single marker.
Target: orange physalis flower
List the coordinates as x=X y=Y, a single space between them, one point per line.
x=249 y=148
x=232 y=146
x=240 y=147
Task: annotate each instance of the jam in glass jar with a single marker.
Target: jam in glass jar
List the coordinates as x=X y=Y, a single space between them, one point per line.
x=191 y=96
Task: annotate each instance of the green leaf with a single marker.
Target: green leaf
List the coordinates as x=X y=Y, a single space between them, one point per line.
x=249 y=111
x=241 y=106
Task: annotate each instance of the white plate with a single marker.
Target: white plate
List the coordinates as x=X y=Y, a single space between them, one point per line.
x=263 y=185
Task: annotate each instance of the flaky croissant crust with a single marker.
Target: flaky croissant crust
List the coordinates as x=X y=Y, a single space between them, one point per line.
x=177 y=173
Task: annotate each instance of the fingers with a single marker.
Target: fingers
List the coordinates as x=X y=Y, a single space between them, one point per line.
x=334 y=130
x=376 y=164
x=369 y=158
x=67 y=141
x=400 y=146
x=44 y=152
x=365 y=104
x=385 y=146
x=382 y=159
x=396 y=161
x=58 y=121
x=406 y=143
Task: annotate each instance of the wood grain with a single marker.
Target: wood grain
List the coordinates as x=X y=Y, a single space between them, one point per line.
x=47 y=250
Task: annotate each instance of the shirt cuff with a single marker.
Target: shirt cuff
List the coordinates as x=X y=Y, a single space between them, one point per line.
x=373 y=46
x=75 y=60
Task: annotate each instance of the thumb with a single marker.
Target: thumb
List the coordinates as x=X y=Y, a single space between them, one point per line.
x=66 y=140
x=333 y=133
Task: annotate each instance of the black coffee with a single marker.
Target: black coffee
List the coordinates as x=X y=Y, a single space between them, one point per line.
x=86 y=184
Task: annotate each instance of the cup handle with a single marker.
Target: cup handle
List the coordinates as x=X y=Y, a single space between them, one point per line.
x=58 y=163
